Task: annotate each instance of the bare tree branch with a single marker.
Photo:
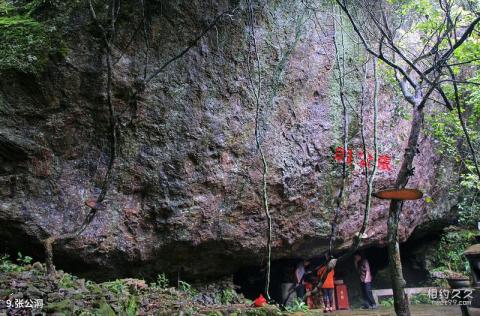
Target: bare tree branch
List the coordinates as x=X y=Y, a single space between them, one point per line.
x=457 y=44
x=191 y=45
x=462 y=121
x=380 y=56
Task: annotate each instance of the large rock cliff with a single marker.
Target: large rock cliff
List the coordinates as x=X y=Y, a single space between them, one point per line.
x=186 y=188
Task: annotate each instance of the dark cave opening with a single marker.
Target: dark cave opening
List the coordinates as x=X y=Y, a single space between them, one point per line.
x=251 y=280
x=416 y=252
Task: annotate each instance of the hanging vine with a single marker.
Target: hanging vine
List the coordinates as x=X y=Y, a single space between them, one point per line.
x=108 y=36
x=339 y=46
x=368 y=177
x=257 y=91
x=340 y=66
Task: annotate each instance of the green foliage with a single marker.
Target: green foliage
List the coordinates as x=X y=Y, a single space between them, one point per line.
x=119 y=297
x=93 y=287
x=403 y=112
x=440 y=283
x=131 y=305
x=23 y=260
x=162 y=281
x=228 y=296
x=67 y=281
x=24 y=42
x=426 y=18
x=469 y=204
x=388 y=75
x=6 y=8
x=297 y=305
x=469 y=210
x=6 y=264
x=470 y=180
x=449 y=255
x=386 y=302
x=445 y=128
x=117 y=287
x=105 y=309
x=187 y=288
x=421 y=298
x=63 y=307
x=27 y=41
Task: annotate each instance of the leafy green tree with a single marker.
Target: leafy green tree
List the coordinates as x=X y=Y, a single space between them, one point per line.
x=419 y=41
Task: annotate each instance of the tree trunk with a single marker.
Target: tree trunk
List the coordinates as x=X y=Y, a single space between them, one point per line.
x=396 y=274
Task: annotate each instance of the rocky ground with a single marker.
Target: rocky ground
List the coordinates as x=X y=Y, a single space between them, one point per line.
x=65 y=294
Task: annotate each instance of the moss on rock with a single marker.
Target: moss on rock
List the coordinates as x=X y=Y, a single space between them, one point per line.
x=25 y=41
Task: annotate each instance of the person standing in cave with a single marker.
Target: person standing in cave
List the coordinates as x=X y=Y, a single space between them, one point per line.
x=327 y=286
x=363 y=268
x=300 y=279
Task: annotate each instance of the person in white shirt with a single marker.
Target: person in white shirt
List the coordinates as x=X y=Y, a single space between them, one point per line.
x=299 y=278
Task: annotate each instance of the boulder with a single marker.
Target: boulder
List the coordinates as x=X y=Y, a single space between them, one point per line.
x=186 y=191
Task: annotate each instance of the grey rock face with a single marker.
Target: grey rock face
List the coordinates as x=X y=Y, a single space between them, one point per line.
x=186 y=191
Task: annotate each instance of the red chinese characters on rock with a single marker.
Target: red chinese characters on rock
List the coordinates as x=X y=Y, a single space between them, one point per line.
x=384 y=161
x=340 y=154
x=364 y=163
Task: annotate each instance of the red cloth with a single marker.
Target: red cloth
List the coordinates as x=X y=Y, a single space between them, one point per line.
x=328 y=284
x=260 y=301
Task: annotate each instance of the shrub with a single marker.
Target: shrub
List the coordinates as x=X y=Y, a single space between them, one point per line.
x=421 y=298
x=450 y=251
x=387 y=302
x=297 y=305
x=162 y=281
x=67 y=281
x=229 y=296
x=116 y=287
x=23 y=260
x=6 y=265
x=187 y=288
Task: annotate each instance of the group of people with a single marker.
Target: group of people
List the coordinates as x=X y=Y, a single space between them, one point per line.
x=310 y=280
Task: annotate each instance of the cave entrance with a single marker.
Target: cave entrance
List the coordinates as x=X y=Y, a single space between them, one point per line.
x=251 y=280
x=345 y=271
x=414 y=271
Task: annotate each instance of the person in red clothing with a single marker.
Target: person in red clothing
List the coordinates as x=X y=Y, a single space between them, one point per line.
x=309 y=295
x=327 y=286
